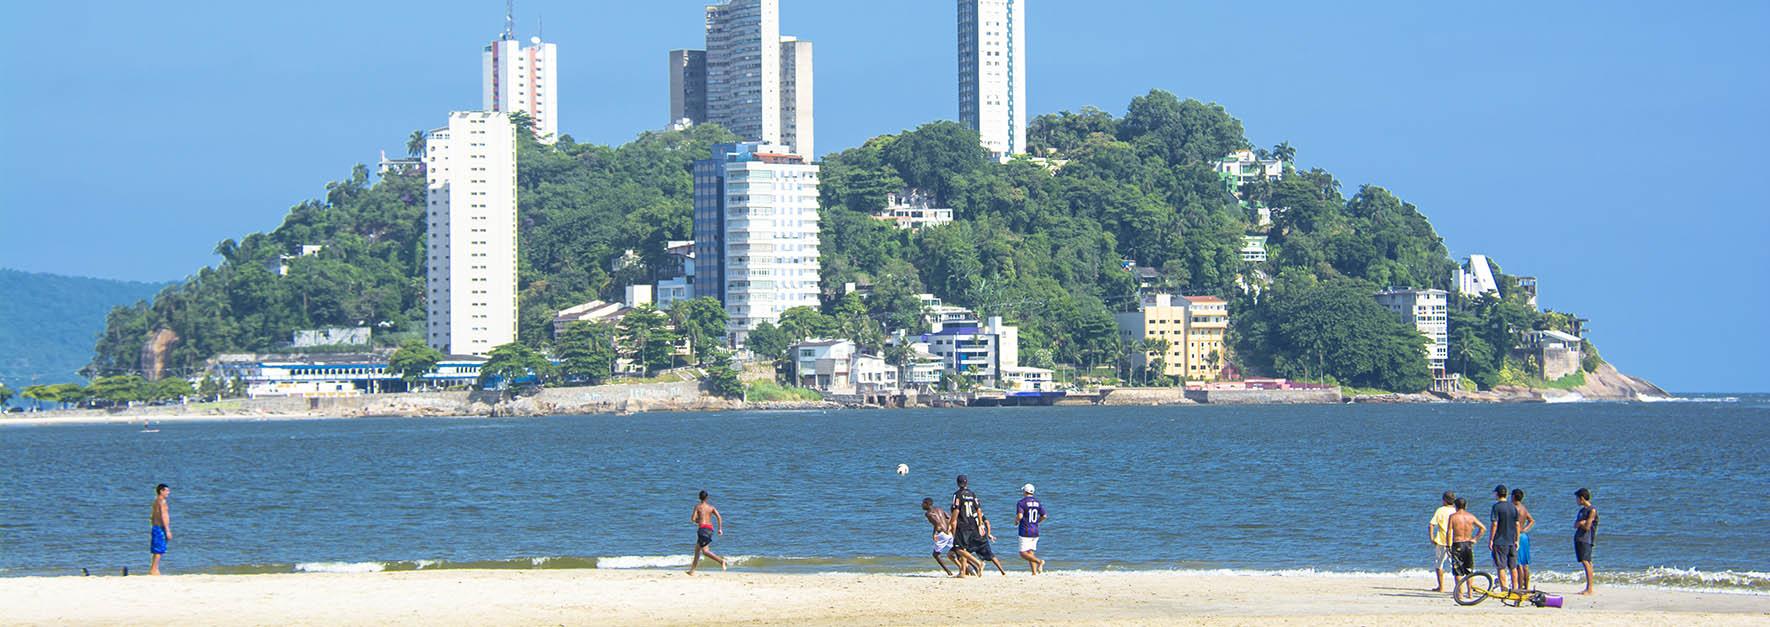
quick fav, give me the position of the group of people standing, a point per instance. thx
(1454, 532)
(964, 535)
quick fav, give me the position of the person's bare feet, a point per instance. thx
(1588, 592)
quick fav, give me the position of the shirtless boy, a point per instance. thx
(1465, 529)
(161, 534)
(704, 517)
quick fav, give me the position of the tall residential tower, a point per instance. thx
(992, 73)
(756, 233)
(470, 285)
(754, 82)
(517, 78)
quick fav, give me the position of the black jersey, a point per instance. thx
(965, 509)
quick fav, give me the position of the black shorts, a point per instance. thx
(1463, 555)
(972, 541)
(703, 537)
(1582, 551)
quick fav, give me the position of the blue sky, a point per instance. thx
(1606, 147)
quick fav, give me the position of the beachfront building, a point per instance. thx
(755, 233)
(334, 375)
(680, 286)
(1207, 324)
(1160, 323)
(470, 236)
(1185, 334)
(839, 367)
(977, 353)
(1555, 354)
(1243, 166)
(749, 79)
(522, 78)
(913, 209)
(939, 315)
(992, 73)
(1428, 311)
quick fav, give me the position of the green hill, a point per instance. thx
(48, 322)
(1042, 242)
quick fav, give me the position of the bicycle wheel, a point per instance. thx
(1473, 586)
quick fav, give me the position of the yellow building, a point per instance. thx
(1192, 328)
(1207, 322)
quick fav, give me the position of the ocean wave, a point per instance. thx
(340, 567)
(1688, 399)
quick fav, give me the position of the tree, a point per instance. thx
(702, 320)
(512, 363)
(1284, 152)
(524, 123)
(1338, 330)
(767, 341)
(209, 388)
(118, 390)
(800, 323)
(6, 395)
(415, 144)
(587, 351)
(1180, 132)
(170, 389)
(645, 336)
(412, 361)
(722, 379)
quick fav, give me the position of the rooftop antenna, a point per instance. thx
(509, 19)
(541, 27)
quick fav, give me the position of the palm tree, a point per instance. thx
(1284, 152)
(415, 144)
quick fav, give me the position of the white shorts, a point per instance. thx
(1442, 558)
(943, 542)
(1029, 544)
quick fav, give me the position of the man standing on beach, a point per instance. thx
(1439, 530)
(704, 517)
(161, 534)
(970, 528)
(943, 539)
(1503, 542)
(1521, 578)
(1585, 530)
(1028, 513)
(1465, 529)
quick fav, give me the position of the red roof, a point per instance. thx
(1203, 299)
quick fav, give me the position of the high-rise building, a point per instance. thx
(688, 87)
(756, 83)
(1427, 311)
(756, 233)
(518, 78)
(992, 73)
(470, 195)
(796, 106)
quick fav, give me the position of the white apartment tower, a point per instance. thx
(753, 81)
(1427, 311)
(992, 73)
(519, 78)
(756, 233)
(470, 284)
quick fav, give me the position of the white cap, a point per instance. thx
(1028, 488)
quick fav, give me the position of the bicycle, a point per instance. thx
(1480, 587)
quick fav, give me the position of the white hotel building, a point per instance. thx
(750, 79)
(992, 73)
(756, 233)
(519, 78)
(471, 236)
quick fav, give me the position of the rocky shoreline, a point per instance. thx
(1605, 384)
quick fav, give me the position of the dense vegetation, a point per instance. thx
(1041, 242)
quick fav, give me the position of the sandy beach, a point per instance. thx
(588, 596)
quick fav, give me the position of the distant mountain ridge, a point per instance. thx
(48, 322)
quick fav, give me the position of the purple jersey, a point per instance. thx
(1030, 512)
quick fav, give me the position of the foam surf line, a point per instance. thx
(340, 567)
(623, 562)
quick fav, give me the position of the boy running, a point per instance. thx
(943, 541)
(704, 516)
(1028, 513)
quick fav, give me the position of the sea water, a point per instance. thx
(1682, 488)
